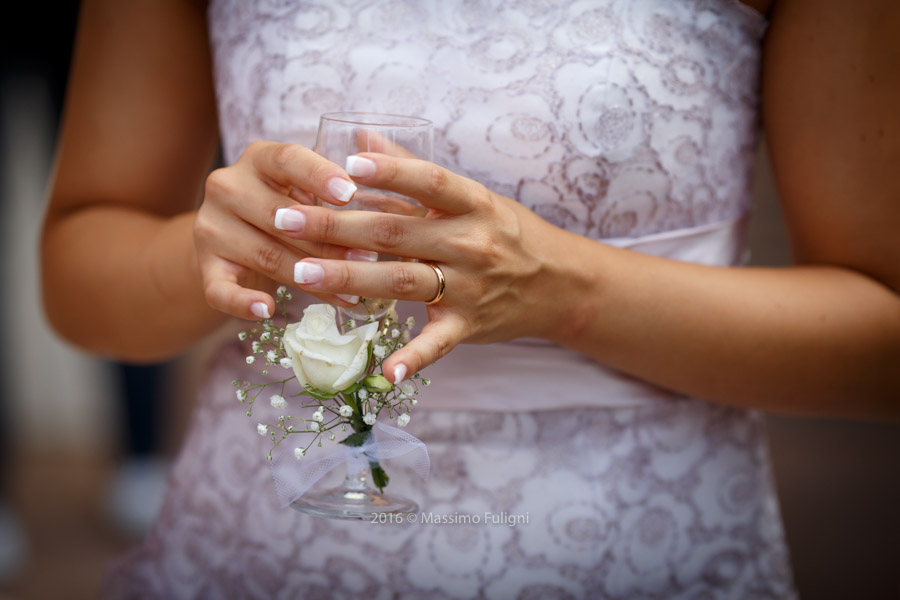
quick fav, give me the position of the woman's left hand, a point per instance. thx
(503, 279)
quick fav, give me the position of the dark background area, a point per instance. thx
(838, 481)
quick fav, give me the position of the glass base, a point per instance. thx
(353, 500)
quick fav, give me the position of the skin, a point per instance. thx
(821, 337)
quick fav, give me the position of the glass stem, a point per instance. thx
(356, 481)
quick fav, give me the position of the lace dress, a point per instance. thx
(632, 122)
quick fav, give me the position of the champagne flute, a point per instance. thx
(343, 134)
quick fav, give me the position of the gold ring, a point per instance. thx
(442, 283)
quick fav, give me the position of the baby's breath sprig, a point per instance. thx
(358, 404)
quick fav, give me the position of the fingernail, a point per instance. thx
(359, 254)
(348, 298)
(305, 272)
(341, 189)
(287, 219)
(399, 373)
(357, 166)
(260, 309)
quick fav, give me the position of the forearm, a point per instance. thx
(125, 283)
(812, 340)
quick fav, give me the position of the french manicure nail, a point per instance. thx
(357, 166)
(363, 255)
(399, 373)
(348, 298)
(260, 309)
(341, 189)
(287, 219)
(305, 272)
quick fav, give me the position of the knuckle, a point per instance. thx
(343, 278)
(254, 147)
(269, 259)
(209, 293)
(202, 228)
(482, 250)
(283, 156)
(442, 346)
(488, 248)
(481, 195)
(320, 172)
(457, 245)
(218, 183)
(387, 232)
(402, 282)
(388, 172)
(435, 180)
(327, 225)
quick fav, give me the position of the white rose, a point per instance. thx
(321, 356)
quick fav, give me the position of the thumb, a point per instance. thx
(436, 339)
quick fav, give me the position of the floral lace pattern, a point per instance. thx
(666, 501)
(607, 118)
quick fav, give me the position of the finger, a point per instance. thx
(433, 186)
(399, 280)
(375, 201)
(292, 222)
(225, 294)
(396, 235)
(291, 165)
(443, 332)
(301, 196)
(257, 251)
(236, 192)
(267, 210)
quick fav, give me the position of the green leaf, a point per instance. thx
(356, 439)
(379, 477)
(358, 424)
(318, 394)
(351, 389)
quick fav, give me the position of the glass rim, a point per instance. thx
(375, 119)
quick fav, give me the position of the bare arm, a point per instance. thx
(131, 267)
(120, 273)
(822, 337)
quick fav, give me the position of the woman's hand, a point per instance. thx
(498, 259)
(246, 235)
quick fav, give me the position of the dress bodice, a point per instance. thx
(607, 118)
(630, 121)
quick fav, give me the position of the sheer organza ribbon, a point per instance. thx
(294, 477)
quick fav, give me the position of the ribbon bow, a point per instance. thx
(293, 478)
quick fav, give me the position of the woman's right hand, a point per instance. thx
(246, 234)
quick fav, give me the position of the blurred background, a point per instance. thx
(84, 442)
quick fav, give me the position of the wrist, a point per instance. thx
(174, 269)
(572, 285)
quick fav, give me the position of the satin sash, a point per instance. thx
(531, 374)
